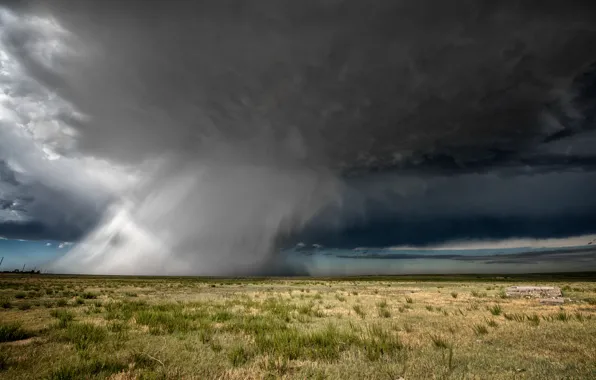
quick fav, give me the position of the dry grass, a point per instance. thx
(193, 328)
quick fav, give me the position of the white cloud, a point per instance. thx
(37, 145)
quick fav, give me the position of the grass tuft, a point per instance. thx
(480, 329)
(85, 369)
(439, 341)
(83, 335)
(238, 356)
(359, 311)
(495, 309)
(12, 331)
(64, 317)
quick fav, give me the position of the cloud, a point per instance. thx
(43, 194)
(262, 117)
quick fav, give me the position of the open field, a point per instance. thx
(58, 327)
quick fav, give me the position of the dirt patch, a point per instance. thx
(23, 342)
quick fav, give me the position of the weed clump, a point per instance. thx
(83, 335)
(480, 329)
(495, 309)
(379, 343)
(358, 309)
(12, 331)
(84, 369)
(61, 302)
(291, 344)
(64, 317)
(238, 356)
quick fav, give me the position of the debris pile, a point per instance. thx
(549, 295)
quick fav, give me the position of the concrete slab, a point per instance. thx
(533, 292)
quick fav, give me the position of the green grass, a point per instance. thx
(89, 295)
(238, 356)
(64, 317)
(82, 369)
(83, 335)
(262, 328)
(61, 302)
(495, 309)
(12, 331)
(518, 317)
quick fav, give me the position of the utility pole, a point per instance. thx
(1, 260)
(22, 270)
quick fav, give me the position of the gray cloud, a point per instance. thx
(246, 117)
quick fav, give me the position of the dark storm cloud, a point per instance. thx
(38, 231)
(363, 84)
(268, 113)
(35, 210)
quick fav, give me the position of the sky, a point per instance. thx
(179, 137)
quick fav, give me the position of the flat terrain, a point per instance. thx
(58, 327)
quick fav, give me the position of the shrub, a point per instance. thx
(454, 294)
(409, 300)
(64, 317)
(384, 313)
(61, 302)
(79, 301)
(11, 332)
(4, 361)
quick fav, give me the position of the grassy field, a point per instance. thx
(55, 327)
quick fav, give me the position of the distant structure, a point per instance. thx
(548, 295)
(533, 292)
